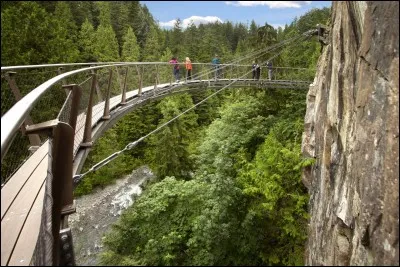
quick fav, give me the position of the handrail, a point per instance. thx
(7, 68)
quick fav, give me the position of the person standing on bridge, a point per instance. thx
(253, 70)
(215, 61)
(175, 70)
(269, 66)
(256, 70)
(188, 65)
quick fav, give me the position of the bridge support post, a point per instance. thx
(58, 187)
(123, 97)
(87, 134)
(106, 114)
(34, 139)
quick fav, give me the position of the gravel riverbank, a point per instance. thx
(95, 213)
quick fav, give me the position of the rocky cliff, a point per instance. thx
(352, 130)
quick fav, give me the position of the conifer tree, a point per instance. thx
(151, 51)
(130, 49)
(62, 45)
(87, 42)
(171, 156)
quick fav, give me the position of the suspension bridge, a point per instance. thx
(72, 105)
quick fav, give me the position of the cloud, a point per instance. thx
(270, 4)
(276, 26)
(197, 20)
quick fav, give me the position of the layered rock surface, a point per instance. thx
(352, 130)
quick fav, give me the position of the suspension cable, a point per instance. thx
(77, 178)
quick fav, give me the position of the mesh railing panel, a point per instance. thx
(65, 112)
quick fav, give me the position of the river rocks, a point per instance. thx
(95, 213)
(352, 130)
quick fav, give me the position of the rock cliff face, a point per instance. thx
(352, 130)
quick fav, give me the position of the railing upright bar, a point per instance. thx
(98, 91)
(64, 81)
(123, 98)
(156, 80)
(106, 114)
(34, 139)
(140, 76)
(87, 134)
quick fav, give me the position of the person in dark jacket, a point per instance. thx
(175, 70)
(253, 70)
(256, 70)
(269, 66)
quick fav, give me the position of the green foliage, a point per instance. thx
(18, 45)
(106, 45)
(130, 49)
(87, 42)
(62, 43)
(152, 48)
(239, 126)
(244, 206)
(273, 184)
(170, 156)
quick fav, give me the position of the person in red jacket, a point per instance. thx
(188, 65)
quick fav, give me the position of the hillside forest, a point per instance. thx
(228, 189)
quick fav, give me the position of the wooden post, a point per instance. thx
(58, 188)
(106, 114)
(34, 139)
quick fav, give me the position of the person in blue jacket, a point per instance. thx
(215, 61)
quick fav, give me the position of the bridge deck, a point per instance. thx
(22, 196)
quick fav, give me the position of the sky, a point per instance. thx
(275, 13)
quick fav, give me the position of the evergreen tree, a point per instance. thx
(119, 12)
(170, 155)
(253, 28)
(130, 49)
(105, 13)
(151, 51)
(18, 45)
(176, 39)
(106, 45)
(62, 45)
(87, 42)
